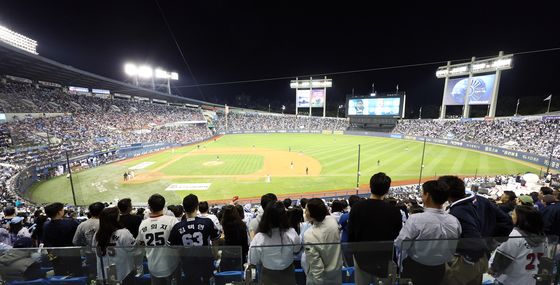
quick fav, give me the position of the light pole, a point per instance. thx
(338, 111)
(147, 74)
(283, 108)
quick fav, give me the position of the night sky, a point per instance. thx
(238, 40)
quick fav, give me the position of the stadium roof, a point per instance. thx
(19, 63)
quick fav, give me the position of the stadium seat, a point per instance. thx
(64, 280)
(145, 279)
(225, 277)
(300, 276)
(41, 281)
(347, 274)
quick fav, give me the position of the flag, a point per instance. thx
(548, 98)
(397, 88)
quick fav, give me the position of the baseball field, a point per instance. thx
(251, 165)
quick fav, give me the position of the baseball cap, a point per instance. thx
(526, 200)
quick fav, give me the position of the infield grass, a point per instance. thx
(232, 175)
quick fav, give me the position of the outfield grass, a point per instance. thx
(337, 155)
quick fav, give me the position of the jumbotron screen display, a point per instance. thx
(381, 106)
(480, 90)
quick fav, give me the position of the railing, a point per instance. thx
(534, 260)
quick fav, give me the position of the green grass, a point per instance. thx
(336, 153)
(229, 164)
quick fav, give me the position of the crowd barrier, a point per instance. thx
(387, 262)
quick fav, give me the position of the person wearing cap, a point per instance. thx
(525, 200)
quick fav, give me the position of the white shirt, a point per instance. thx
(162, 261)
(120, 253)
(213, 218)
(275, 252)
(525, 259)
(431, 224)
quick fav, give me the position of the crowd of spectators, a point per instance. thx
(528, 135)
(281, 237)
(247, 121)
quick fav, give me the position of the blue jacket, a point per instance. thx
(471, 245)
(493, 221)
(551, 218)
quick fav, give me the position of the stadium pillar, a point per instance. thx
(422, 163)
(70, 176)
(551, 153)
(310, 92)
(442, 112)
(494, 99)
(466, 106)
(297, 107)
(358, 173)
(325, 101)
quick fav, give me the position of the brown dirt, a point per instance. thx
(276, 164)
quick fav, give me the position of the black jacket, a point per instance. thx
(471, 245)
(494, 222)
(551, 218)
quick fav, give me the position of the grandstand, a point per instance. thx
(284, 199)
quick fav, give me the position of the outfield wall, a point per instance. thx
(528, 157)
(523, 156)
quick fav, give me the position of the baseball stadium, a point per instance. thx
(165, 143)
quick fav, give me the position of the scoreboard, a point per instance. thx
(375, 106)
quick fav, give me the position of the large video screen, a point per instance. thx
(315, 97)
(387, 106)
(480, 90)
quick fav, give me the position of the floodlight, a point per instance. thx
(502, 63)
(174, 76)
(130, 69)
(145, 72)
(459, 69)
(18, 40)
(479, 66)
(160, 73)
(441, 73)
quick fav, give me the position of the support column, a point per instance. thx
(494, 99)
(442, 112)
(466, 106)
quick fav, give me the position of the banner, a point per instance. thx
(315, 97)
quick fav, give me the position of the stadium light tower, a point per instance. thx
(477, 83)
(17, 40)
(145, 73)
(311, 93)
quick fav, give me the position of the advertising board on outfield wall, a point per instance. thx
(536, 159)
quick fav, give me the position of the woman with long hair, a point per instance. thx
(274, 246)
(516, 260)
(115, 247)
(235, 234)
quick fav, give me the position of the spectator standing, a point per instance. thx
(85, 233)
(235, 234)
(323, 259)
(59, 232)
(115, 249)
(374, 220)
(274, 246)
(424, 261)
(508, 202)
(129, 221)
(516, 261)
(470, 260)
(204, 213)
(163, 262)
(197, 233)
(9, 214)
(265, 200)
(352, 200)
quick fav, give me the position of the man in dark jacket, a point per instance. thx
(373, 220)
(58, 232)
(551, 218)
(130, 222)
(470, 261)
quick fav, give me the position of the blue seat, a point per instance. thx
(41, 281)
(347, 274)
(63, 280)
(300, 276)
(144, 279)
(225, 277)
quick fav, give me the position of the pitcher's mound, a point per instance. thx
(213, 163)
